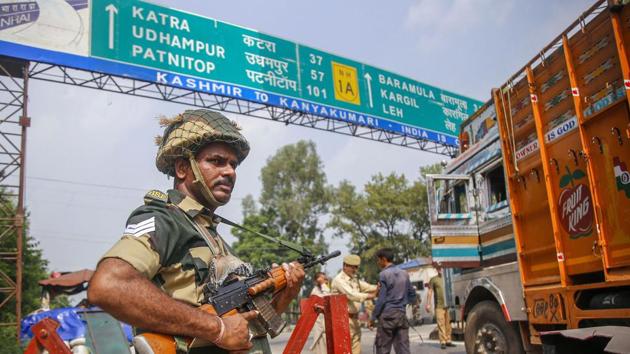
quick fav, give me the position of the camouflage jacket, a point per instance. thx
(165, 246)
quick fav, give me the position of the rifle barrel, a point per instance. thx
(322, 259)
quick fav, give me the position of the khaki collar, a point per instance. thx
(190, 206)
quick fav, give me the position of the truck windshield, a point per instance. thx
(451, 196)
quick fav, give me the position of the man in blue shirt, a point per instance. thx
(395, 292)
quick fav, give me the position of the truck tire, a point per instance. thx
(487, 331)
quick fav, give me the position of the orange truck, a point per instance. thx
(533, 216)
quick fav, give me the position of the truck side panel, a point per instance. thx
(528, 194)
(606, 125)
(568, 185)
(565, 132)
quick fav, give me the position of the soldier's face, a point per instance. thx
(217, 163)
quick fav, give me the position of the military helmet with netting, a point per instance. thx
(188, 132)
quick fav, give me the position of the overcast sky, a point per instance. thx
(98, 138)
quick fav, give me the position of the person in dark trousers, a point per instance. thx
(395, 292)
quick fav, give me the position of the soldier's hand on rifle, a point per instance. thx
(235, 335)
(294, 275)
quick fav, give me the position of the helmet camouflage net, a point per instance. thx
(187, 133)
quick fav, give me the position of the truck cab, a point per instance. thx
(472, 235)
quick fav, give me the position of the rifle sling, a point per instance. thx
(288, 244)
(181, 345)
(205, 235)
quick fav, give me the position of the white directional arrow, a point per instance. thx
(368, 79)
(112, 10)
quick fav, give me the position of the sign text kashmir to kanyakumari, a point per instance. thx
(149, 42)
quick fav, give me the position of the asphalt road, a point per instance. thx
(418, 338)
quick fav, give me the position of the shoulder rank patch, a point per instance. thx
(155, 196)
(141, 228)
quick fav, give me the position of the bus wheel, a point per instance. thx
(488, 332)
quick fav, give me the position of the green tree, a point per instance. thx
(249, 205)
(294, 194)
(256, 250)
(34, 269)
(293, 199)
(390, 211)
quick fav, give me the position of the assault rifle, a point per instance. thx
(233, 296)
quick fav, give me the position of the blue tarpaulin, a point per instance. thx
(70, 324)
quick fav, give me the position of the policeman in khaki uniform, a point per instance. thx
(437, 290)
(357, 291)
(153, 277)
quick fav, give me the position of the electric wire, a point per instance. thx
(109, 186)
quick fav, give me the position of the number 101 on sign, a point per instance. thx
(316, 91)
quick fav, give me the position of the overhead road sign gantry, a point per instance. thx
(144, 41)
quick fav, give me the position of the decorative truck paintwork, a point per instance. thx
(534, 213)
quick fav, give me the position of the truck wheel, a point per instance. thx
(488, 332)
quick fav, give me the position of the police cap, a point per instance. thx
(352, 259)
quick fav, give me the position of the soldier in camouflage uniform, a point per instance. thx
(153, 277)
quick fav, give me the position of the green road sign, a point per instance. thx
(197, 52)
